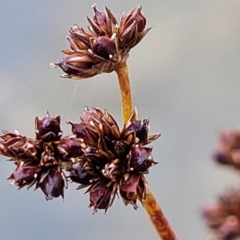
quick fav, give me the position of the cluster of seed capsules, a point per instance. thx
(223, 216)
(104, 45)
(98, 155)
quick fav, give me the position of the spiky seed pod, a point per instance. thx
(132, 187)
(131, 28)
(48, 128)
(115, 161)
(104, 46)
(79, 65)
(223, 216)
(141, 159)
(101, 195)
(16, 146)
(227, 151)
(25, 174)
(52, 184)
(78, 173)
(70, 147)
(39, 161)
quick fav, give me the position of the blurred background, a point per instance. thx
(185, 78)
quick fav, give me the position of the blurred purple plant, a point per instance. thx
(227, 151)
(223, 216)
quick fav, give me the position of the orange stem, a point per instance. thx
(125, 89)
(157, 217)
(150, 204)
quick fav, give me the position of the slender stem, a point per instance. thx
(157, 217)
(125, 89)
(150, 204)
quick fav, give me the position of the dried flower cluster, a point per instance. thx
(104, 46)
(114, 159)
(227, 151)
(39, 161)
(97, 155)
(223, 216)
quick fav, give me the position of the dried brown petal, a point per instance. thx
(88, 115)
(79, 38)
(142, 188)
(139, 19)
(131, 26)
(101, 20)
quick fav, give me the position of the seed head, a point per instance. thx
(39, 161)
(104, 46)
(98, 156)
(115, 160)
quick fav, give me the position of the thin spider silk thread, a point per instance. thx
(52, 96)
(135, 96)
(71, 99)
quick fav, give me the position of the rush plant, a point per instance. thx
(98, 155)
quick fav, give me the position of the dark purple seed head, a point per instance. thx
(78, 174)
(52, 185)
(48, 129)
(141, 160)
(24, 174)
(104, 47)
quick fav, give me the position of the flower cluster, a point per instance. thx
(97, 155)
(223, 216)
(227, 151)
(114, 160)
(38, 161)
(104, 45)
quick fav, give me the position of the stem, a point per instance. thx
(150, 204)
(157, 217)
(125, 89)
